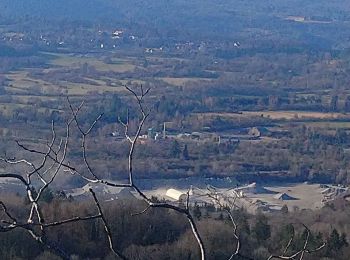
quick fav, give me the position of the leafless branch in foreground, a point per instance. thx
(133, 139)
(59, 163)
(54, 161)
(51, 165)
(229, 206)
(300, 253)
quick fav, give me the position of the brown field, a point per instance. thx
(118, 65)
(9, 108)
(329, 125)
(182, 81)
(308, 196)
(288, 115)
(83, 89)
(22, 84)
(294, 114)
(25, 89)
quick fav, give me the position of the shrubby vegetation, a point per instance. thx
(163, 234)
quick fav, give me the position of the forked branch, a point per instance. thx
(299, 253)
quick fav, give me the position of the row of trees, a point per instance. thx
(162, 234)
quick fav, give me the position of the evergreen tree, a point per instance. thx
(347, 104)
(175, 150)
(334, 103)
(262, 229)
(335, 243)
(284, 209)
(197, 212)
(185, 154)
(47, 196)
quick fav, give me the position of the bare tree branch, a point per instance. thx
(54, 161)
(7, 212)
(216, 197)
(300, 253)
(106, 227)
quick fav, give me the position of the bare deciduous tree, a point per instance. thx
(53, 161)
(302, 251)
(228, 204)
